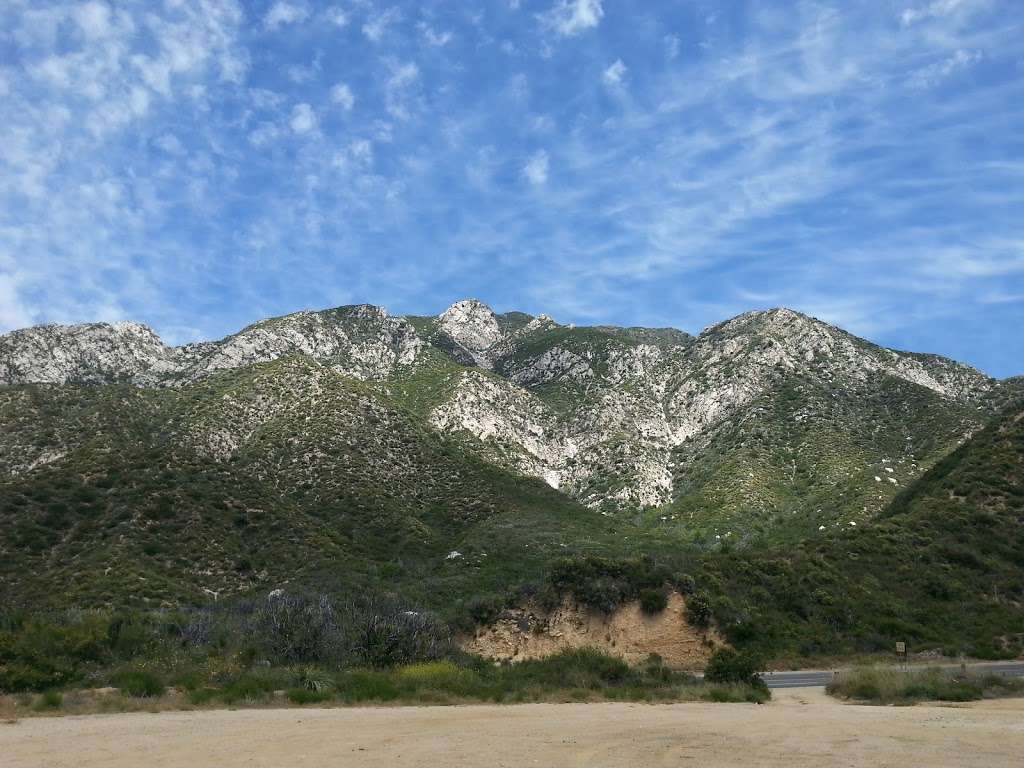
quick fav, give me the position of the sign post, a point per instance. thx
(901, 652)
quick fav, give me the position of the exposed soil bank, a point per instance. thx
(526, 633)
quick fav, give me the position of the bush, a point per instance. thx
(698, 609)
(893, 686)
(249, 688)
(484, 610)
(307, 696)
(295, 628)
(685, 584)
(653, 600)
(384, 636)
(49, 700)
(729, 666)
(603, 584)
(139, 683)
(584, 668)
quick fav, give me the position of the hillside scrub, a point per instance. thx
(313, 650)
(235, 679)
(604, 584)
(879, 685)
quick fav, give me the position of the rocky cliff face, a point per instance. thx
(618, 418)
(360, 341)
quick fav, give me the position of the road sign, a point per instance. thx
(901, 649)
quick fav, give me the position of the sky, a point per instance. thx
(198, 165)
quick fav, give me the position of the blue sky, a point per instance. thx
(200, 164)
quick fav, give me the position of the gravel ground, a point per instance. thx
(802, 727)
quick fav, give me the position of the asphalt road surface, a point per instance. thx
(817, 678)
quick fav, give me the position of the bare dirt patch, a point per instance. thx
(528, 633)
(801, 728)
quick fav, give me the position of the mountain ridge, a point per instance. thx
(604, 414)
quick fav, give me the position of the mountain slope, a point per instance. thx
(714, 435)
(281, 472)
(943, 567)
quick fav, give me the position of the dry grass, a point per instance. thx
(881, 685)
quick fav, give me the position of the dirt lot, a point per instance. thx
(801, 728)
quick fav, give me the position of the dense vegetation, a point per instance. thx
(943, 568)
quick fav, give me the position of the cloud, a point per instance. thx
(376, 26)
(433, 37)
(336, 15)
(93, 18)
(936, 9)
(536, 169)
(282, 13)
(13, 312)
(808, 147)
(341, 94)
(615, 73)
(934, 73)
(403, 76)
(673, 45)
(570, 17)
(303, 119)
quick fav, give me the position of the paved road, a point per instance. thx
(817, 678)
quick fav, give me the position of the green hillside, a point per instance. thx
(943, 567)
(808, 454)
(281, 473)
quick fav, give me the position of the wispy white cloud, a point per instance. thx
(377, 25)
(336, 15)
(935, 9)
(303, 119)
(536, 168)
(433, 37)
(796, 152)
(93, 18)
(341, 94)
(614, 73)
(402, 77)
(13, 311)
(282, 13)
(571, 17)
(940, 70)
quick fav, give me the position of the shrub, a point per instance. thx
(484, 610)
(698, 609)
(653, 600)
(294, 628)
(584, 668)
(140, 683)
(686, 584)
(49, 700)
(366, 685)
(729, 666)
(382, 635)
(248, 688)
(307, 696)
(603, 584)
(892, 686)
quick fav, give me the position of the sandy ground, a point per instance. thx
(800, 728)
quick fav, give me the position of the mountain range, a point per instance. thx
(448, 455)
(616, 418)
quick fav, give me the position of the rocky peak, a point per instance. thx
(90, 353)
(473, 326)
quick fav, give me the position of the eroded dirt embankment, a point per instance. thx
(529, 633)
